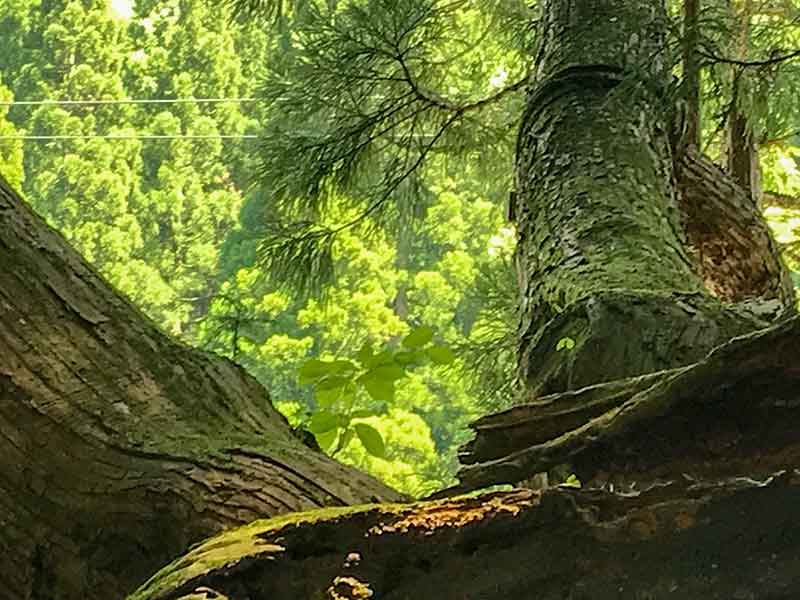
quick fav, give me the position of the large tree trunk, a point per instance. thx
(118, 447)
(604, 256)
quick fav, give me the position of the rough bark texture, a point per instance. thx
(731, 244)
(603, 257)
(732, 413)
(734, 539)
(690, 491)
(118, 447)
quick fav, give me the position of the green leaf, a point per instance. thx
(362, 414)
(384, 372)
(326, 439)
(440, 355)
(333, 382)
(418, 337)
(371, 439)
(384, 357)
(313, 370)
(323, 421)
(406, 359)
(565, 343)
(365, 354)
(347, 435)
(330, 393)
(326, 397)
(342, 366)
(380, 389)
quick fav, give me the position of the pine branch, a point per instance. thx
(355, 116)
(249, 10)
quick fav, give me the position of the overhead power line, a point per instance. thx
(126, 101)
(128, 137)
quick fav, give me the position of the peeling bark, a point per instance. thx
(731, 243)
(733, 413)
(119, 447)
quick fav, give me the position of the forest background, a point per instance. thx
(160, 198)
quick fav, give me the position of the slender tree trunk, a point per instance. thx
(118, 447)
(740, 144)
(691, 71)
(604, 260)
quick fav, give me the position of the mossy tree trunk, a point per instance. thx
(119, 448)
(606, 255)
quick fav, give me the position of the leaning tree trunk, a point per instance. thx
(637, 257)
(607, 256)
(119, 447)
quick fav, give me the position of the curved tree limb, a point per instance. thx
(119, 447)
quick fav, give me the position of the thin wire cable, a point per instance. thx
(126, 101)
(128, 137)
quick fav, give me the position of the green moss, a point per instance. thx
(236, 545)
(265, 539)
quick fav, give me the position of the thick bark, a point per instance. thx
(118, 447)
(730, 539)
(603, 256)
(732, 413)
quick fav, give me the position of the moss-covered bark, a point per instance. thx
(118, 447)
(733, 539)
(690, 490)
(733, 413)
(603, 255)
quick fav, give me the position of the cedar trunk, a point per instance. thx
(119, 448)
(623, 246)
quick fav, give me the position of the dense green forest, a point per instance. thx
(171, 201)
